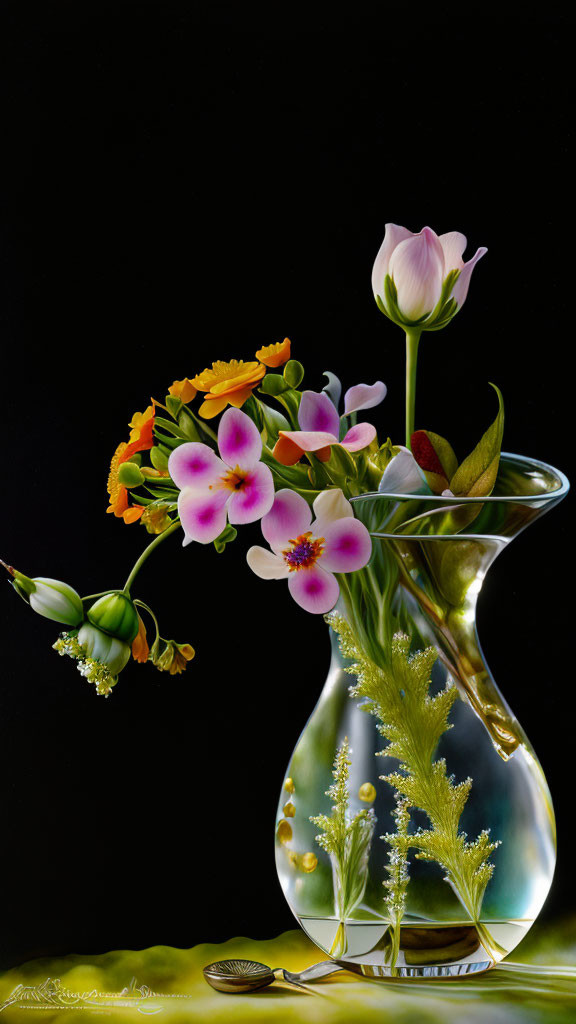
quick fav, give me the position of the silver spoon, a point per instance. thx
(249, 975)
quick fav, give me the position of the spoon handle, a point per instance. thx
(314, 973)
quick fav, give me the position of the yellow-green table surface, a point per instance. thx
(538, 984)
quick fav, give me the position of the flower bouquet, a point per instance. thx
(414, 831)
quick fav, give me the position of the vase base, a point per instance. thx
(428, 971)
(424, 949)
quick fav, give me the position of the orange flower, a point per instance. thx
(227, 384)
(276, 354)
(183, 389)
(140, 649)
(142, 424)
(141, 439)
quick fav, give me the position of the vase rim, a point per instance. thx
(561, 488)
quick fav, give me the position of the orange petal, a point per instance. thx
(211, 408)
(276, 354)
(119, 502)
(225, 387)
(237, 398)
(183, 389)
(286, 451)
(142, 424)
(323, 454)
(132, 514)
(140, 648)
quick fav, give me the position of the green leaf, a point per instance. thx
(274, 384)
(476, 476)
(129, 475)
(293, 373)
(188, 427)
(341, 462)
(168, 442)
(158, 458)
(228, 535)
(166, 493)
(273, 421)
(172, 428)
(436, 459)
(173, 405)
(291, 402)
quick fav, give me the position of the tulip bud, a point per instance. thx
(129, 475)
(51, 598)
(108, 650)
(116, 615)
(421, 279)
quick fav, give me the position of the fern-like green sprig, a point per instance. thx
(347, 841)
(397, 868)
(413, 721)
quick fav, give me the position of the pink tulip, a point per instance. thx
(308, 553)
(237, 487)
(418, 265)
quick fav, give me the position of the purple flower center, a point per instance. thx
(304, 553)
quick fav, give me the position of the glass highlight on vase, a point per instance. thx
(415, 832)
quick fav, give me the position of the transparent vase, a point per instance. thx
(415, 832)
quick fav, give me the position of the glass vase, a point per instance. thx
(415, 832)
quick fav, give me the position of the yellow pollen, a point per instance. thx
(304, 553)
(233, 480)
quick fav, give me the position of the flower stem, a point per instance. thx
(147, 552)
(142, 604)
(412, 342)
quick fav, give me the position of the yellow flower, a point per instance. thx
(183, 389)
(227, 384)
(276, 354)
(173, 657)
(155, 518)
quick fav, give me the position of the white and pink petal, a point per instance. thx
(266, 564)
(254, 498)
(314, 589)
(417, 268)
(195, 465)
(358, 437)
(203, 516)
(393, 235)
(318, 413)
(347, 544)
(453, 244)
(289, 516)
(364, 396)
(310, 440)
(239, 440)
(331, 505)
(460, 289)
(403, 475)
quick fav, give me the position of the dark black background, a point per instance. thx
(179, 189)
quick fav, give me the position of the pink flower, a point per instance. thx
(320, 422)
(308, 553)
(418, 265)
(236, 487)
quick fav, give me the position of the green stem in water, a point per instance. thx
(147, 552)
(412, 342)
